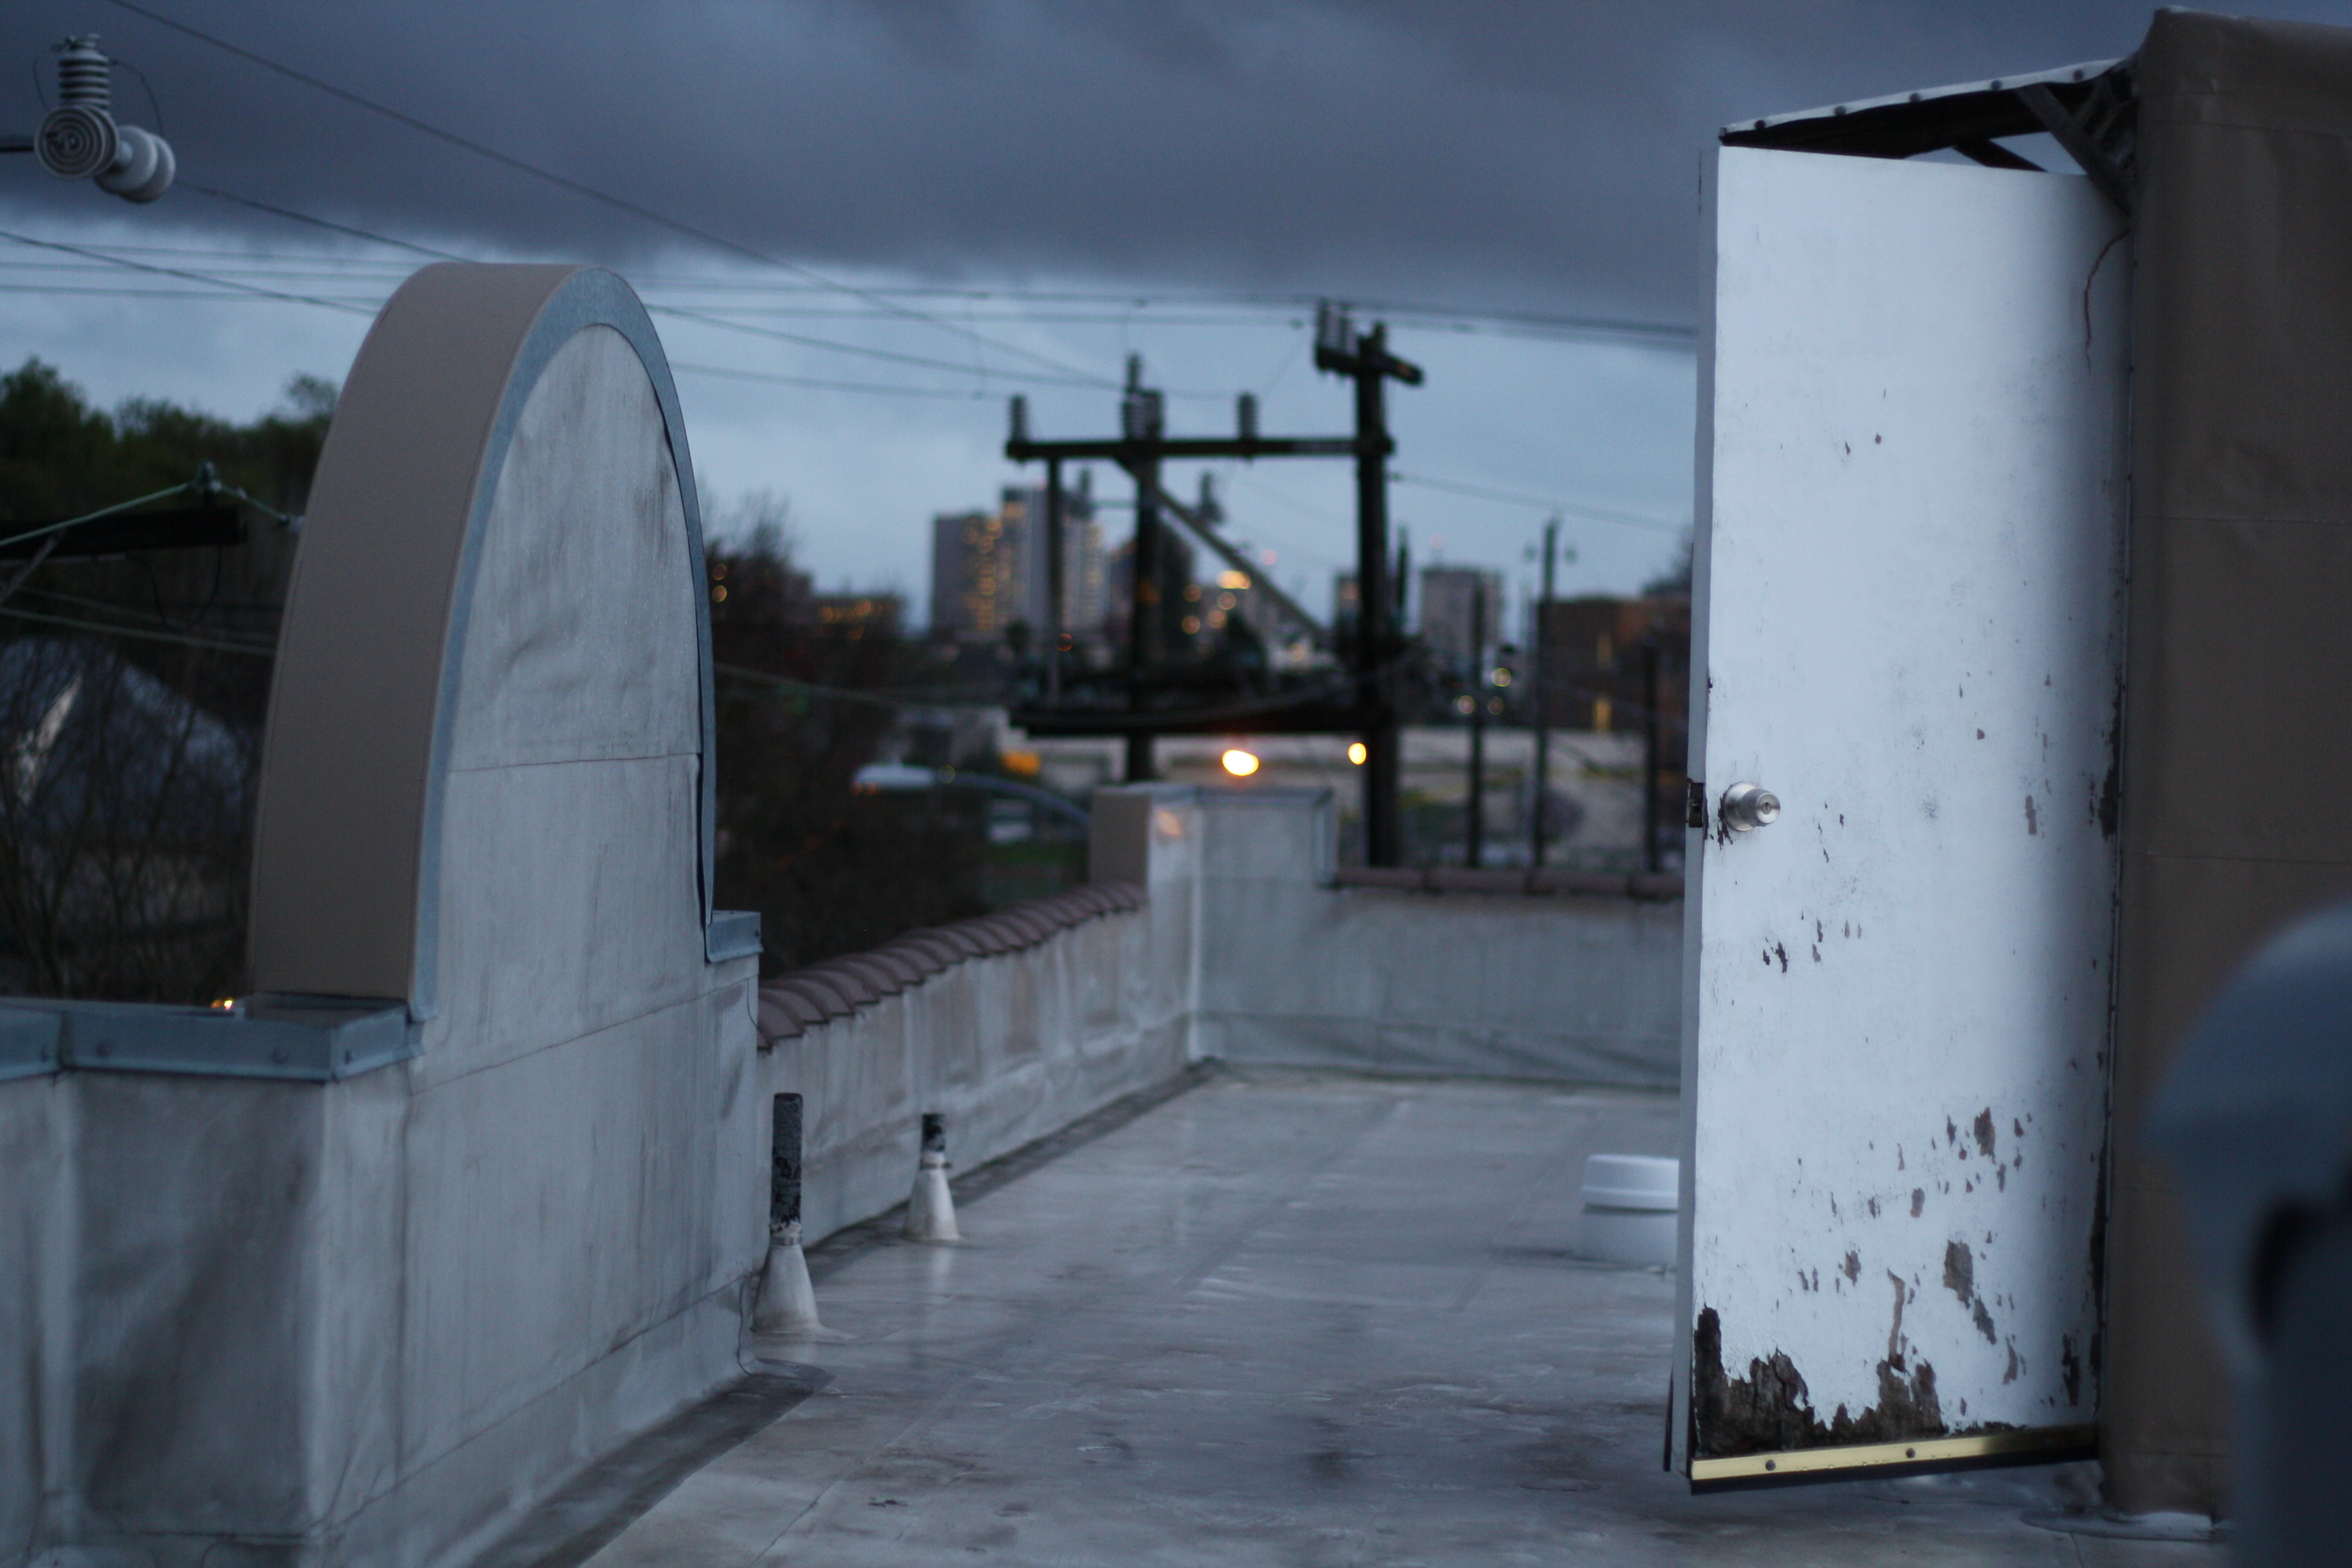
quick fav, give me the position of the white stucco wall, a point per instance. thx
(1242, 951)
(1297, 972)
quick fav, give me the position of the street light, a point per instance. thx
(1239, 763)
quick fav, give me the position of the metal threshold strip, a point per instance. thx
(2033, 1446)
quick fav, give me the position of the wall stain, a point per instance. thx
(2107, 810)
(1982, 1127)
(1852, 1269)
(1918, 1201)
(2033, 823)
(2070, 1369)
(1782, 953)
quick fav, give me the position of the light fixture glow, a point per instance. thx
(1355, 753)
(1239, 763)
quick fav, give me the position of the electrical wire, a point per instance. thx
(182, 273)
(93, 517)
(826, 386)
(617, 203)
(920, 361)
(218, 645)
(1541, 504)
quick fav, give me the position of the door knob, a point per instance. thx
(1748, 806)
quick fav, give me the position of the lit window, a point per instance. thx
(1235, 580)
(1239, 763)
(1357, 753)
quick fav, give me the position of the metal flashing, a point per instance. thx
(731, 934)
(2031, 1445)
(2090, 109)
(1925, 101)
(28, 1042)
(305, 1039)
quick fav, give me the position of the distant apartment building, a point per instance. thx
(1343, 598)
(1596, 661)
(1179, 596)
(1451, 599)
(857, 615)
(989, 568)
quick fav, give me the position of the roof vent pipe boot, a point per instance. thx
(787, 1303)
(931, 1211)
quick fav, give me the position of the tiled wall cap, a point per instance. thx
(783, 1014)
(846, 978)
(967, 944)
(1061, 910)
(933, 951)
(1033, 924)
(902, 971)
(1093, 900)
(838, 985)
(823, 996)
(996, 934)
(917, 962)
(886, 980)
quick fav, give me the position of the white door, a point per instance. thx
(1910, 615)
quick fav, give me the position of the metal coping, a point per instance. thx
(300, 1040)
(1926, 99)
(731, 934)
(2033, 1446)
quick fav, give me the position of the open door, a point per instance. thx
(1909, 621)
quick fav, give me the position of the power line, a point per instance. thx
(1541, 504)
(826, 386)
(255, 649)
(803, 340)
(182, 273)
(617, 203)
(1537, 324)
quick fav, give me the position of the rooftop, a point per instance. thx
(1279, 1318)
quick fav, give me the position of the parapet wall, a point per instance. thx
(1220, 929)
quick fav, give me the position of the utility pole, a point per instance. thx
(1143, 419)
(1650, 751)
(1056, 590)
(1141, 447)
(1474, 824)
(1543, 701)
(1365, 358)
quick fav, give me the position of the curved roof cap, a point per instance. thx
(346, 862)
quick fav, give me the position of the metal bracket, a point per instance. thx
(732, 934)
(2069, 134)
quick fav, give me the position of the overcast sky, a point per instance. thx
(1066, 182)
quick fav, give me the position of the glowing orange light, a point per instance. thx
(1239, 763)
(1355, 753)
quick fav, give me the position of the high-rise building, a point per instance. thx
(1450, 596)
(988, 568)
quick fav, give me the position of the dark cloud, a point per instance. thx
(1537, 153)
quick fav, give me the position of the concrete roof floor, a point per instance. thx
(1285, 1319)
